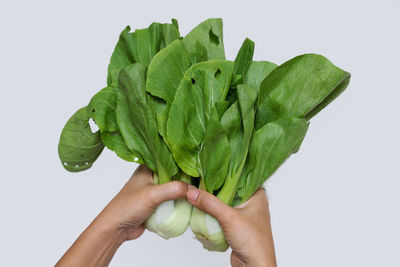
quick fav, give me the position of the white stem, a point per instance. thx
(208, 231)
(170, 219)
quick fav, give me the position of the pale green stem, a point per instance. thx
(185, 178)
(229, 188)
(162, 176)
(202, 185)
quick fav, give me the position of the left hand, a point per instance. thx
(137, 200)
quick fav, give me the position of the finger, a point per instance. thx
(210, 204)
(168, 191)
(143, 169)
(259, 197)
(142, 176)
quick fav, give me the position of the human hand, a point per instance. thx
(137, 200)
(122, 219)
(247, 228)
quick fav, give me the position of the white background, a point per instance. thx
(335, 203)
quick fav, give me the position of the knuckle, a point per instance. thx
(202, 199)
(178, 188)
(152, 195)
(230, 217)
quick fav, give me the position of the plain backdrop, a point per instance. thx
(334, 203)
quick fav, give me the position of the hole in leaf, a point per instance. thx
(93, 126)
(213, 38)
(76, 166)
(193, 81)
(86, 163)
(217, 73)
(65, 163)
(135, 159)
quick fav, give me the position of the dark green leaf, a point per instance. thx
(137, 123)
(79, 148)
(221, 107)
(238, 123)
(115, 142)
(140, 47)
(257, 72)
(165, 73)
(268, 111)
(244, 57)
(304, 85)
(208, 34)
(203, 85)
(102, 109)
(270, 146)
(214, 154)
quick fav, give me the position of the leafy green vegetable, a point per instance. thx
(167, 70)
(238, 123)
(244, 57)
(301, 84)
(164, 76)
(193, 107)
(176, 105)
(168, 67)
(257, 72)
(273, 144)
(206, 38)
(102, 109)
(79, 147)
(140, 47)
(137, 122)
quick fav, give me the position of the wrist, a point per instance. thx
(262, 259)
(110, 228)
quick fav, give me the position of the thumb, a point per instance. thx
(168, 191)
(210, 204)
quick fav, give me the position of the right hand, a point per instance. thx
(247, 227)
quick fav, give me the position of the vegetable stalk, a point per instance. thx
(171, 218)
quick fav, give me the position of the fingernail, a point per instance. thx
(191, 187)
(192, 193)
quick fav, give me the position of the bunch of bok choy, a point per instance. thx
(178, 106)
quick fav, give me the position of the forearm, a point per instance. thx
(95, 246)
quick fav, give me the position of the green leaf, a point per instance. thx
(244, 57)
(268, 111)
(169, 65)
(78, 147)
(335, 93)
(304, 85)
(137, 123)
(102, 109)
(221, 107)
(164, 75)
(140, 47)
(115, 142)
(238, 123)
(166, 70)
(269, 147)
(206, 36)
(200, 55)
(203, 85)
(214, 154)
(257, 72)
